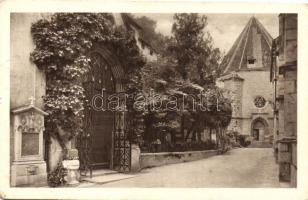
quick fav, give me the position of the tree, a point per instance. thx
(157, 41)
(207, 63)
(189, 68)
(187, 41)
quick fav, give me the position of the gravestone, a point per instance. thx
(28, 165)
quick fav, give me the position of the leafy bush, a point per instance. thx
(235, 144)
(63, 43)
(243, 140)
(187, 74)
(210, 144)
(56, 177)
(247, 143)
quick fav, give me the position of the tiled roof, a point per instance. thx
(229, 76)
(254, 38)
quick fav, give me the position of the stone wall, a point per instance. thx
(286, 99)
(243, 91)
(27, 85)
(26, 80)
(290, 101)
(235, 86)
(165, 158)
(247, 124)
(256, 83)
(246, 129)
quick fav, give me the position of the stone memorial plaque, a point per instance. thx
(30, 144)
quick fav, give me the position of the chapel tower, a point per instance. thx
(246, 69)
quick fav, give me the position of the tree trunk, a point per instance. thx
(210, 134)
(55, 154)
(199, 135)
(182, 126)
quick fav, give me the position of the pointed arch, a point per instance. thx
(259, 128)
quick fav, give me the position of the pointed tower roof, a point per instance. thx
(251, 50)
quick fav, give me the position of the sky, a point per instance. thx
(224, 28)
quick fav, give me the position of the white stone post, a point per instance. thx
(135, 158)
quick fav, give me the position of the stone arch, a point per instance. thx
(119, 153)
(259, 129)
(115, 65)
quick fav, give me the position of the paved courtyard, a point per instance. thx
(243, 167)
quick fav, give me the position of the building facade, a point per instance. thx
(284, 80)
(27, 86)
(246, 69)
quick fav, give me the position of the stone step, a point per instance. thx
(105, 178)
(101, 172)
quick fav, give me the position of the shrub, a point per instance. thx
(56, 177)
(243, 140)
(210, 144)
(247, 143)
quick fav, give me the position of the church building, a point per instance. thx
(245, 77)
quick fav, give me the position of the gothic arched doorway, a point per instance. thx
(100, 87)
(259, 129)
(104, 143)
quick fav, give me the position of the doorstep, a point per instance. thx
(285, 184)
(101, 172)
(103, 176)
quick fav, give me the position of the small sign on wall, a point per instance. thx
(29, 144)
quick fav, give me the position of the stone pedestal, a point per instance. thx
(28, 173)
(285, 158)
(72, 167)
(28, 167)
(135, 158)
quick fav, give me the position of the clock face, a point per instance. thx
(259, 102)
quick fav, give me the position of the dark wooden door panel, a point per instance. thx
(103, 120)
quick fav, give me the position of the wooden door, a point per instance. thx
(102, 119)
(256, 134)
(261, 134)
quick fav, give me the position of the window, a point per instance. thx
(259, 102)
(251, 60)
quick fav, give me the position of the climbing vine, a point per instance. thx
(62, 43)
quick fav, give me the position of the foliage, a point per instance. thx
(188, 65)
(187, 40)
(190, 69)
(233, 135)
(190, 117)
(62, 45)
(192, 47)
(243, 140)
(56, 177)
(207, 64)
(157, 41)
